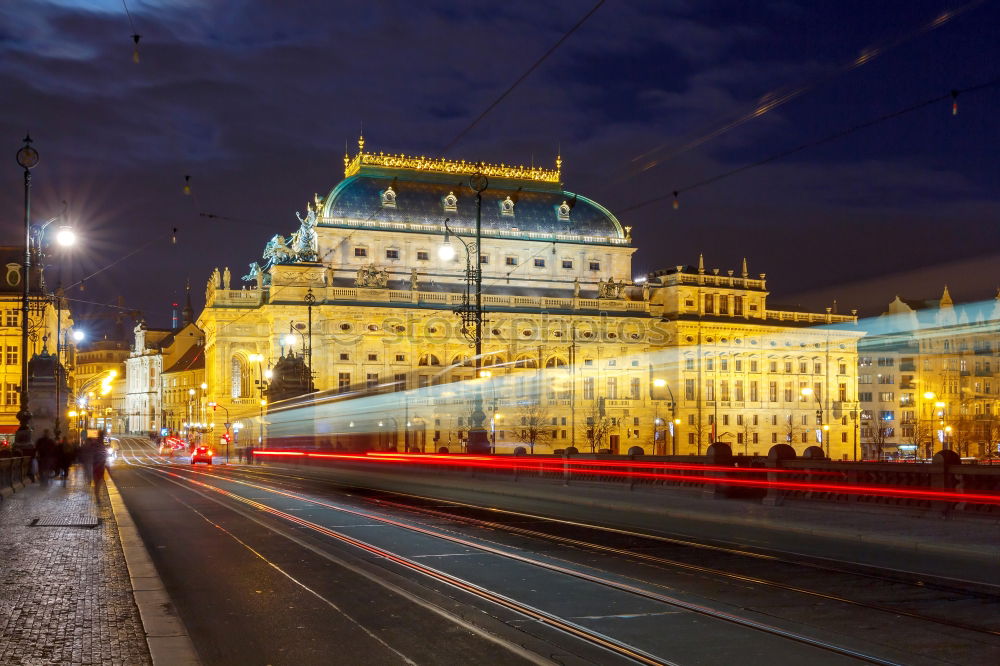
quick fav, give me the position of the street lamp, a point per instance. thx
(27, 158)
(659, 382)
(806, 392)
(472, 315)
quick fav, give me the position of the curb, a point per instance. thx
(166, 637)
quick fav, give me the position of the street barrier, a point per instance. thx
(13, 474)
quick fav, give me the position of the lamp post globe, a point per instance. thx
(66, 237)
(27, 156)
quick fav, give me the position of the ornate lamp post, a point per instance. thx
(472, 314)
(27, 158)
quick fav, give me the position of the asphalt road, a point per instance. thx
(274, 567)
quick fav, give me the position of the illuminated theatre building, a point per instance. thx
(575, 354)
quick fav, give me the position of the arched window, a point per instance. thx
(526, 362)
(240, 379)
(429, 359)
(555, 362)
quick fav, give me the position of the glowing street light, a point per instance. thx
(446, 251)
(66, 237)
(929, 395)
(78, 336)
(659, 383)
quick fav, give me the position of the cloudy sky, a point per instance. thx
(255, 100)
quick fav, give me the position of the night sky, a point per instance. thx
(255, 100)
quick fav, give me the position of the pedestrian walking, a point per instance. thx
(65, 455)
(45, 450)
(95, 455)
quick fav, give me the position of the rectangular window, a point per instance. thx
(802, 368)
(360, 252)
(399, 379)
(392, 254)
(739, 365)
(588, 388)
(805, 437)
(595, 265)
(723, 304)
(709, 363)
(724, 390)
(635, 390)
(772, 391)
(484, 258)
(788, 366)
(691, 438)
(843, 368)
(753, 391)
(774, 366)
(12, 393)
(865, 397)
(738, 306)
(423, 380)
(612, 388)
(842, 392)
(886, 416)
(689, 389)
(738, 391)
(539, 263)
(344, 356)
(753, 366)
(343, 380)
(709, 304)
(511, 261)
(400, 358)
(11, 318)
(789, 392)
(11, 356)
(709, 390)
(723, 364)
(886, 379)
(887, 396)
(371, 380)
(774, 438)
(689, 364)
(817, 368)
(690, 419)
(567, 263)
(372, 357)
(422, 255)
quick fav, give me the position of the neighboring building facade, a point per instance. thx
(929, 378)
(153, 351)
(42, 337)
(99, 384)
(575, 349)
(184, 401)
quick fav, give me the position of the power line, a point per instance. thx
(521, 78)
(952, 94)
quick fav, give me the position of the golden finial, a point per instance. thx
(361, 143)
(558, 162)
(628, 233)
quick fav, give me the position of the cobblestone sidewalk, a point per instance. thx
(65, 596)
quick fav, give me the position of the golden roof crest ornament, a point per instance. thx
(446, 166)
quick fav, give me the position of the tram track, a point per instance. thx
(207, 480)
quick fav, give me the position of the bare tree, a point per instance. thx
(598, 426)
(791, 429)
(917, 434)
(877, 433)
(963, 432)
(746, 432)
(533, 428)
(990, 425)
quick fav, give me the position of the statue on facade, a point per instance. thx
(215, 278)
(369, 276)
(304, 242)
(645, 290)
(576, 287)
(254, 272)
(610, 289)
(413, 280)
(226, 278)
(277, 251)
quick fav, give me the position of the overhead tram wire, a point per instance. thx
(950, 95)
(782, 95)
(552, 49)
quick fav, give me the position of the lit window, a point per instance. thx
(567, 263)
(539, 263)
(511, 261)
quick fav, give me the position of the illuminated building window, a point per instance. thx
(709, 304)
(343, 380)
(344, 356)
(388, 196)
(595, 265)
(507, 207)
(511, 261)
(372, 357)
(392, 254)
(422, 255)
(567, 263)
(539, 263)
(400, 358)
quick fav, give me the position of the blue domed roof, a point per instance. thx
(422, 198)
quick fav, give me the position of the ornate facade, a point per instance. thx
(575, 352)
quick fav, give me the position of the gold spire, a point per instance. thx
(442, 165)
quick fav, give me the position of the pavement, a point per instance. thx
(66, 593)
